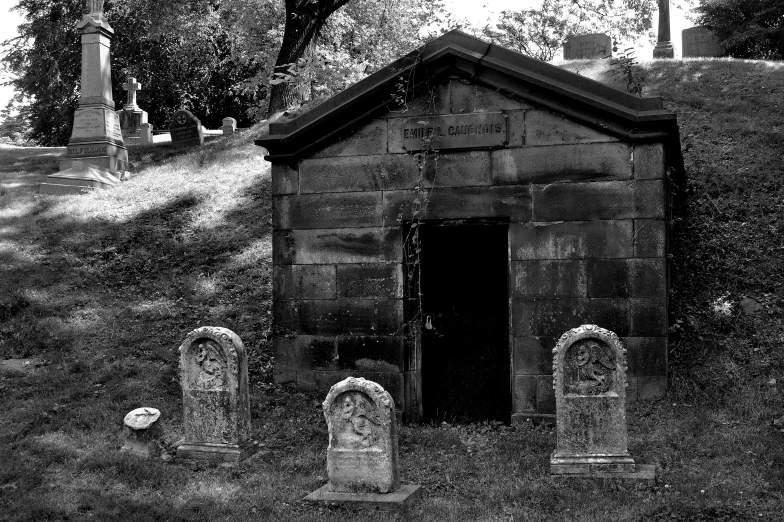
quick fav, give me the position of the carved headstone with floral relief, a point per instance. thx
(590, 396)
(362, 456)
(216, 404)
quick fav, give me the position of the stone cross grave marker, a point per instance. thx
(590, 397)
(132, 118)
(131, 86)
(587, 46)
(216, 404)
(362, 456)
(186, 130)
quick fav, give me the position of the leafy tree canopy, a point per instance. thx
(746, 28)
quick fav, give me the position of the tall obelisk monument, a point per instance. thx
(664, 48)
(96, 156)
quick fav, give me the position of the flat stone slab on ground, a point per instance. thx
(400, 499)
(643, 472)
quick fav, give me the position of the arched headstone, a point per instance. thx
(590, 398)
(362, 456)
(186, 130)
(215, 400)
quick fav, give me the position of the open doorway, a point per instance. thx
(465, 355)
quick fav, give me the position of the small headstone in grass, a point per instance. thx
(590, 398)
(215, 399)
(186, 130)
(229, 126)
(700, 42)
(141, 432)
(362, 456)
(587, 46)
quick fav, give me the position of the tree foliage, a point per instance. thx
(356, 40)
(184, 53)
(746, 28)
(541, 32)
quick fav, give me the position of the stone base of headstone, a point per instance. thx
(403, 498)
(664, 50)
(145, 135)
(78, 179)
(570, 465)
(218, 453)
(640, 472)
(143, 439)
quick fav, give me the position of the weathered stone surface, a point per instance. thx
(285, 179)
(285, 318)
(305, 351)
(216, 404)
(547, 317)
(141, 432)
(350, 209)
(650, 238)
(548, 278)
(626, 278)
(433, 101)
(353, 173)
(545, 396)
(524, 393)
(590, 391)
(304, 281)
(334, 317)
(362, 456)
(471, 97)
(458, 203)
(532, 356)
(369, 139)
(516, 128)
(571, 240)
(545, 128)
(699, 41)
(548, 164)
(282, 247)
(344, 245)
(598, 200)
(648, 317)
(370, 280)
(647, 356)
(649, 161)
(584, 46)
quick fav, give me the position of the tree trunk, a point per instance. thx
(304, 19)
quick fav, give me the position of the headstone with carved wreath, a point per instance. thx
(186, 130)
(362, 456)
(215, 400)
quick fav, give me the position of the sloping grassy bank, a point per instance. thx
(101, 289)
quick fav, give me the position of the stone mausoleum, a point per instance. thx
(440, 224)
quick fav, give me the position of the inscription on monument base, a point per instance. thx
(460, 131)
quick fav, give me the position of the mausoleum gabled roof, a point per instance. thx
(631, 118)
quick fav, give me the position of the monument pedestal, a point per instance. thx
(77, 179)
(664, 50)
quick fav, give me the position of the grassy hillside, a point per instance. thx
(98, 291)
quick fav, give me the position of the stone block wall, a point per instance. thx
(587, 244)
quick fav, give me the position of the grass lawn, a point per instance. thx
(98, 290)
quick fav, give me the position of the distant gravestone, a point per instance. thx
(141, 431)
(699, 41)
(590, 397)
(186, 130)
(362, 456)
(587, 46)
(132, 117)
(216, 404)
(229, 126)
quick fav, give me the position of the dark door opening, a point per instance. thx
(465, 356)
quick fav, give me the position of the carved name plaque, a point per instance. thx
(458, 131)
